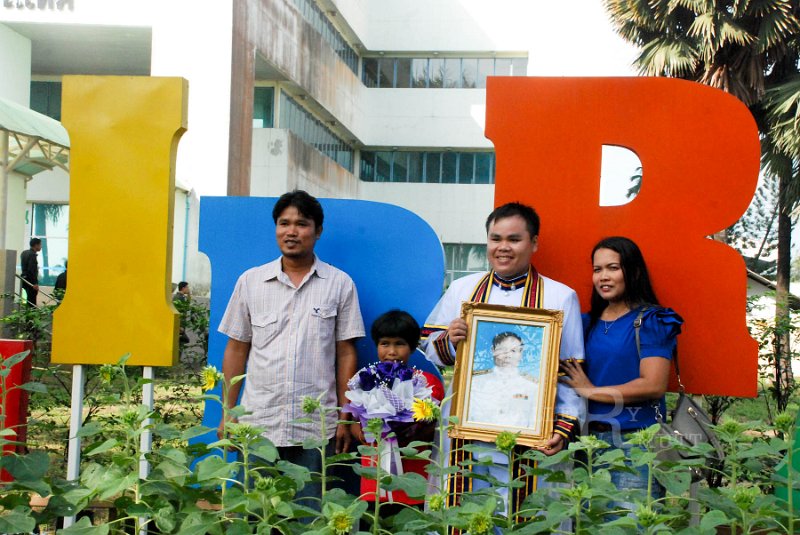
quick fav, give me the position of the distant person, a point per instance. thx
(30, 270)
(503, 395)
(183, 293)
(61, 282)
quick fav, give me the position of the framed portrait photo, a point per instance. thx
(506, 373)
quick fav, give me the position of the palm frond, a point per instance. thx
(668, 57)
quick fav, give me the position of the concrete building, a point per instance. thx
(369, 99)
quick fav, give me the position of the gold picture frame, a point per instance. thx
(506, 373)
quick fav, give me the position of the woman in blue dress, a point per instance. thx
(624, 386)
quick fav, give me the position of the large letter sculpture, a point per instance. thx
(124, 133)
(699, 150)
(393, 256)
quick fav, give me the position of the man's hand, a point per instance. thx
(342, 438)
(457, 331)
(554, 445)
(221, 427)
(36, 287)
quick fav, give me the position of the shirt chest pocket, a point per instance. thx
(265, 329)
(323, 318)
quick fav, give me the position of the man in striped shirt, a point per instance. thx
(292, 324)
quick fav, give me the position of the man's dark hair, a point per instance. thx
(35, 241)
(306, 204)
(638, 289)
(396, 324)
(504, 336)
(182, 285)
(514, 208)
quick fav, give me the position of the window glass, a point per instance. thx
(519, 67)
(419, 72)
(50, 222)
(483, 167)
(436, 72)
(502, 67)
(386, 66)
(400, 167)
(46, 98)
(403, 72)
(370, 76)
(367, 166)
(263, 100)
(485, 68)
(415, 162)
(383, 166)
(452, 72)
(449, 167)
(469, 72)
(433, 162)
(466, 166)
(463, 259)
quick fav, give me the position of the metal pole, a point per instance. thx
(3, 185)
(75, 421)
(146, 439)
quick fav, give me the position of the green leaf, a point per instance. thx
(214, 467)
(102, 447)
(196, 431)
(712, 519)
(90, 429)
(114, 486)
(165, 519)
(13, 360)
(411, 483)
(30, 467)
(39, 388)
(266, 450)
(19, 520)
(84, 527)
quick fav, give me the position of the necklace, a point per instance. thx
(608, 325)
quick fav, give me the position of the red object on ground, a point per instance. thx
(16, 400)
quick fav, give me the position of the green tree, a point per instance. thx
(750, 49)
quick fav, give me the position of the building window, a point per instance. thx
(311, 130)
(264, 107)
(438, 72)
(50, 222)
(446, 167)
(462, 259)
(319, 21)
(46, 98)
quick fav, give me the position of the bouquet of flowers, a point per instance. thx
(391, 391)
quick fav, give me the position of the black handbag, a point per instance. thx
(689, 424)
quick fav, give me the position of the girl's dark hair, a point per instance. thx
(638, 290)
(396, 324)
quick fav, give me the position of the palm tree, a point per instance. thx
(750, 49)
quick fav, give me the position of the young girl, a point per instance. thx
(396, 335)
(624, 385)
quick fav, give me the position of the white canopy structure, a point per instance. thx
(29, 144)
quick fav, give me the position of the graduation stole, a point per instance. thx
(532, 297)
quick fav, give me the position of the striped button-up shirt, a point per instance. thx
(292, 334)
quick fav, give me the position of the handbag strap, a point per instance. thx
(637, 324)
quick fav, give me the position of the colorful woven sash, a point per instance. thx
(532, 297)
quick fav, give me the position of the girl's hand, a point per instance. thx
(576, 377)
(357, 432)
